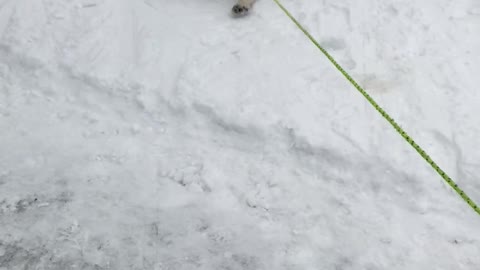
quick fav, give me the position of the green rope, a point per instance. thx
(390, 120)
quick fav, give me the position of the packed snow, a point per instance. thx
(165, 134)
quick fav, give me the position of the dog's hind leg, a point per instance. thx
(242, 7)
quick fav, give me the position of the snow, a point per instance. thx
(167, 135)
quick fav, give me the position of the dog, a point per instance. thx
(242, 7)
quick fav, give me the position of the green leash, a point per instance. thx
(385, 115)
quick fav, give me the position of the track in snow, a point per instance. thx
(166, 135)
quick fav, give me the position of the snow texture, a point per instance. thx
(164, 134)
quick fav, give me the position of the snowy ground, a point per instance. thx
(163, 134)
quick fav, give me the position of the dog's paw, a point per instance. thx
(239, 10)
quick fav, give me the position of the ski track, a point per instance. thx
(166, 135)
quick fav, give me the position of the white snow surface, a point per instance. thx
(163, 134)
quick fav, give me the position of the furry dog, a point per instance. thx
(242, 7)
